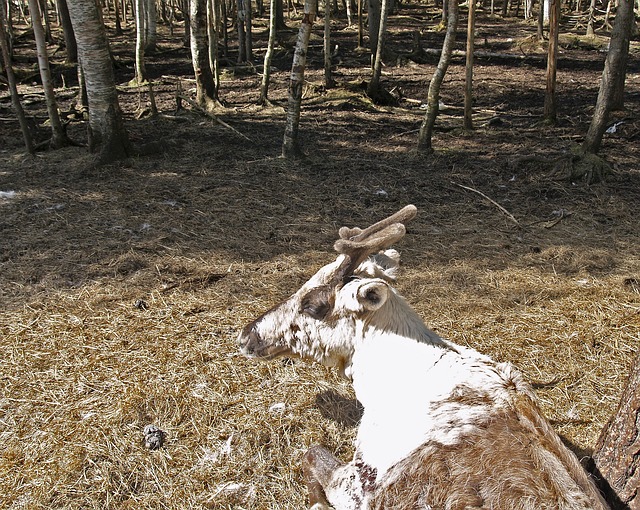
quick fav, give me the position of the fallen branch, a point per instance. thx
(507, 213)
(210, 115)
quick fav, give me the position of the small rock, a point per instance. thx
(153, 437)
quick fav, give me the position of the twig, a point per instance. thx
(509, 215)
(211, 116)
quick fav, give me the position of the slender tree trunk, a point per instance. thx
(140, 70)
(248, 32)
(373, 20)
(242, 55)
(280, 23)
(186, 12)
(540, 24)
(291, 145)
(613, 71)
(266, 71)
(116, 17)
(222, 9)
(373, 89)
(150, 26)
(44, 12)
(7, 15)
(205, 90)
(106, 127)
(328, 79)
(58, 136)
(360, 24)
(468, 83)
(550, 105)
(15, 99)
(212, 27)
(592, 10)
(617, 452)
(71, 48)
(433, 96)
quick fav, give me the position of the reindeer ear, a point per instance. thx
(389, 263)
(372, 295)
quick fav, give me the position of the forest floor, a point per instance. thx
(123, 287)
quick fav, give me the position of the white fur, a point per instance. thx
(414, 386)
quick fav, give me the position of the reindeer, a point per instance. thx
(444, 427)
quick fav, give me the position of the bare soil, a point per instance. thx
(123, 287)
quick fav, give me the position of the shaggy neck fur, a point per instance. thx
(403, 373)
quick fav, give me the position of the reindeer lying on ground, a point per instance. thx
(444, 427)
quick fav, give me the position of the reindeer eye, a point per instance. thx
(316, 310)
(315, 305)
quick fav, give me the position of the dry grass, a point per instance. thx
(122, 289)
(121, 310)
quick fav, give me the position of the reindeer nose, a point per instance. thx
(248, 340)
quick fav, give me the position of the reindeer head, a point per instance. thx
(319, 320)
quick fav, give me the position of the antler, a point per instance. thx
(357, 244)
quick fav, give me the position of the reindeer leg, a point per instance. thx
(318, 467)
(331, 483)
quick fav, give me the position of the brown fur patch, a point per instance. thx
(511, 461)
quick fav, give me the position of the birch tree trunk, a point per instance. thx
(468, 83)
(291, 145)
(150, 26)
(550, 105)
(212, 28)
(206, 94)
(242, 40)
(433, 96)
(373, 21)
(360, 24)
(108, 135)
(71, 48)
(248, 31)
(373, 89)
(328, 80)
(140, 72)
(15, 99)
(58, 136)
(266, 71)
(614, 70)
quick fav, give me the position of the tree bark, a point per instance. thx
(328, 79)
(248, 30)
(614, 70)
(433, 96)
(106, 127)
(150, 26)
(360, 23)
(242, 40)
(280, 23)
(58, 136)
(71, 48)
(550, 106)
(617, 452)
(212, 30)
(15, 99)
(206, 94)
(266, 71)
(373, 89)
(140, 71)
(291, 145)
(373, 21)
(468, 83)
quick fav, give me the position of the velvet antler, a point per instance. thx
(357, 244)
